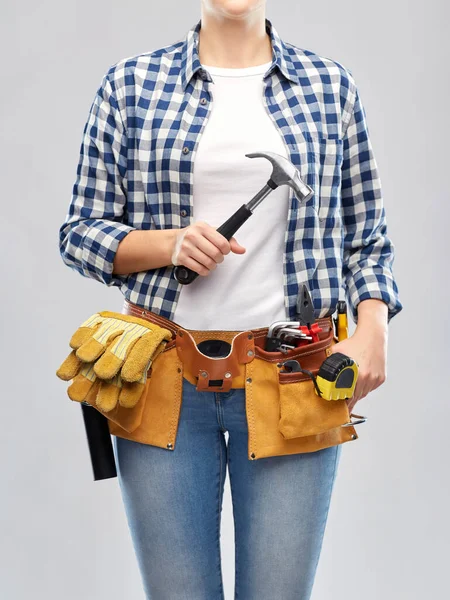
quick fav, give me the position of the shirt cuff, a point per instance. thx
(373, 283)
(100, 243)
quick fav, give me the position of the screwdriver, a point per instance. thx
(340, 322)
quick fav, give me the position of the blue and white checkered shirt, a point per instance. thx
(135, 171)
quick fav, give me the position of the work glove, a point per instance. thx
(113, 351)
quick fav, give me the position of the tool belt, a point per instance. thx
(138, 384)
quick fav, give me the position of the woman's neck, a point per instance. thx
(234, 42)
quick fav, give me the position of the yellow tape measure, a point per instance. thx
(336, 378)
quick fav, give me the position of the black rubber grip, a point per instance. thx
(100, 444)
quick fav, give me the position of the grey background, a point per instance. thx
(65, 537)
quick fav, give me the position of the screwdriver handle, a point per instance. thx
(185, 275)
(341, 322)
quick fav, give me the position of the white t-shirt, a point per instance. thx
(245, 290)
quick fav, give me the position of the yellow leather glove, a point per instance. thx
(118, 350)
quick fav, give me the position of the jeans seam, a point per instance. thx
(219, 412)
(219, 565)
(236, 545)
(327, 509)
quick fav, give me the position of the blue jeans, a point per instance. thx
(173, 503)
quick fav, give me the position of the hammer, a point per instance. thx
(283, 173)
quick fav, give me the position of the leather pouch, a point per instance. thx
(157, 415)
(302, 411)
(127, 418)
(271, 405)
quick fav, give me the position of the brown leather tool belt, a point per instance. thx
(220, 374)
(284, 414)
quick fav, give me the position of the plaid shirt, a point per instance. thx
(135, 171)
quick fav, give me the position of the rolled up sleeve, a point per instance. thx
(95, 225)
(368, 250)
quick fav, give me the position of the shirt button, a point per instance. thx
(202, 74)
(185, 150)
(203, 101)
(183, 213)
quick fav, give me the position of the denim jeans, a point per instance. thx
(173, 503)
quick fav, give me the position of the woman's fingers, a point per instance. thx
(201, 248)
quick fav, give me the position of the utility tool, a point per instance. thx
(99, 442)
(283, 173)
(337, 376)
(274, 340)
(306, 316)
(293, 366)
(304, 330)
(291, 333)
(340, 321)
(285, 348)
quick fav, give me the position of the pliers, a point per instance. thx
(305, 314)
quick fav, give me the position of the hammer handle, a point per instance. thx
(99, 442)
(184, 274)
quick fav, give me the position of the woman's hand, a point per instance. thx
(201, 247)
(368, 347)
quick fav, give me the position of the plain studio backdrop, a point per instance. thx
(64, 536)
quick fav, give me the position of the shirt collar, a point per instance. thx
(190, 61)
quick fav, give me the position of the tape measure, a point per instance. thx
(336, 378)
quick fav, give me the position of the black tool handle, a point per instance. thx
(184, 274)
(272, 344)
(100, 444)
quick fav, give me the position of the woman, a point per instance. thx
(163, 163)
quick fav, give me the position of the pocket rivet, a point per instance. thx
(250, 353)
(204, 374)
(169, 446)
(227, 375)
(354, 436)
(249, 379)
(250, 336)
(179, 370)
(253, 455)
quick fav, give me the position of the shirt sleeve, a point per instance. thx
(368, 250)
(94, 225)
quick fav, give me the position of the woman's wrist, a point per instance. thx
(143, 250)
(372, 318)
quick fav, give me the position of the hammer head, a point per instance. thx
(285, 173)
